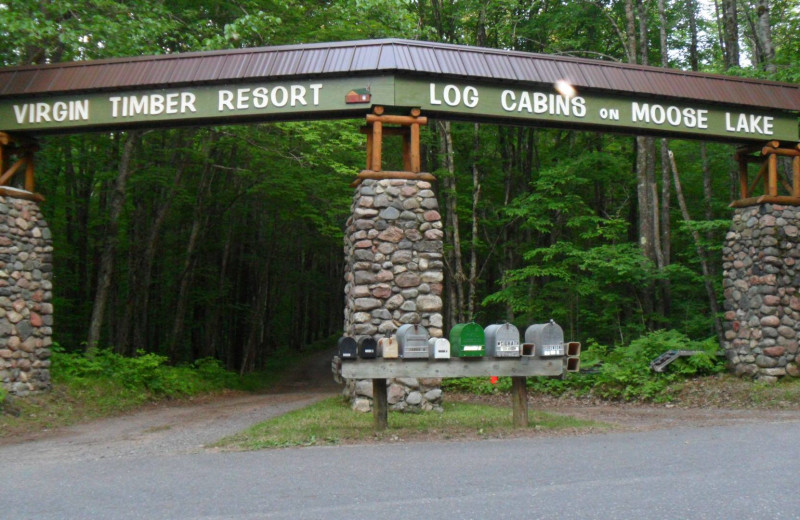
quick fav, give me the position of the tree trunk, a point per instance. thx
(701, 253)
(453, 236)
(730, 30)
(473, 253)
(764, 34)
(199, 220)
(107, 258)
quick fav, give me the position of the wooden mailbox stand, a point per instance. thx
(379, 370)
(24, 149)
(768, 176)
(408, 129)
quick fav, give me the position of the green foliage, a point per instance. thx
(618, 373)
(3, 395)
(145, 375)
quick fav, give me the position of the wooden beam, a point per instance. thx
(414, 176)
(785, 152)
(766, 199)
(11, 171)
(761, 173)
(397, 120)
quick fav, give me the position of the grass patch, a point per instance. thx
(332, 422)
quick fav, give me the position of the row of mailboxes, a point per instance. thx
(466, 340)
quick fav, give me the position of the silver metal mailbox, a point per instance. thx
(348, 348)
(412, 341)
(547, 339)
(502, 340)
(387, 347)
(367, 347)
(439, 348)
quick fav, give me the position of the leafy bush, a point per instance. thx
(147, 374)
(620, 373)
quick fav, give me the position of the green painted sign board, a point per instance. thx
(354, 97)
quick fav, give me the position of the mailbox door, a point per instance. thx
(548, 338)
(367, 347)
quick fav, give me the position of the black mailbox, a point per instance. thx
(367, 347)
(348, 348)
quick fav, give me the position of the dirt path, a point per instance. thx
(185, 427)
(188, 427)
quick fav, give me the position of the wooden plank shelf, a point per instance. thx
(454, 367)
(379, 370)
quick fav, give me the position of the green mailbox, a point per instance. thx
(467, 340)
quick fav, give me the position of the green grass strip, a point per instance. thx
(332, 422)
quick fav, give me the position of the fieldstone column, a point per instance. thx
(761, 281)
(26, 311)
(394, 275)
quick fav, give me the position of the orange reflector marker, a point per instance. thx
(493, 380)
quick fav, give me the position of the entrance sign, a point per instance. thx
(347, 79)
(545, 106)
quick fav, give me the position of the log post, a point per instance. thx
(380, 405)
(29, 181)
(796, 175)
(742, 159)
(519, 401)
(773, 175)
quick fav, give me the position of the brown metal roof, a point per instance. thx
(386, 56)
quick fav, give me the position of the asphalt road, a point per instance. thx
(729, 472)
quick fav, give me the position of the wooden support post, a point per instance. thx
(377, 143)
(369, 148)
(743, 193)
(407, 153)
(29, 181)
(796, 175)
(414, 152)
(772, 184)
(519, 401)
(380, 405)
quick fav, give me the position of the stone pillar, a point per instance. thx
(761, 281)
(26, 311)
(394, 275)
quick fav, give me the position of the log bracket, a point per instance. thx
(407, 128)
(776, 188)
(22, 149)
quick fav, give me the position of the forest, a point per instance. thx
(226, 241)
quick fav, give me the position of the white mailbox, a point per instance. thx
(439, 348)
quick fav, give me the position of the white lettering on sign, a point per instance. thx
(453, 96)
(262, 97)
(749, 123)
(46, 112)
(543, 103)
(672, 115)
(152, 104)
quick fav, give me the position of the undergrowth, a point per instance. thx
(621, 373)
